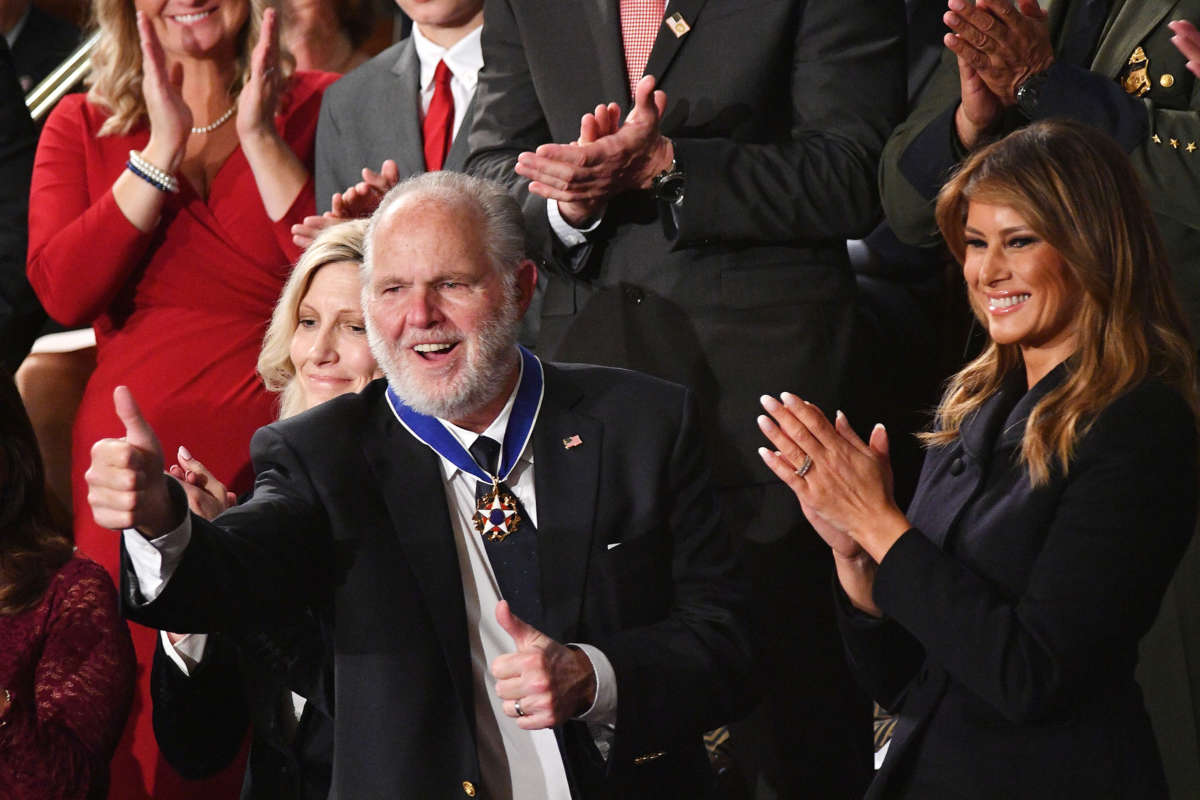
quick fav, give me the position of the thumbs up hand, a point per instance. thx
(543, 683)
(126, 485)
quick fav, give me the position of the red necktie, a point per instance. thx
(640, 21)
(439, 119)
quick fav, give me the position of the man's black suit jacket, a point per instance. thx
(1013, 613)
(778, 110)
(244, 679)
(349, 509)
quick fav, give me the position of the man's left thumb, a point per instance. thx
(524, 635)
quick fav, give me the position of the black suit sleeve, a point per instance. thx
(1120, 527)
(21, 315)
(814, 182)
(261, 562)
(847, 92)
(701, 649)
(199, 720)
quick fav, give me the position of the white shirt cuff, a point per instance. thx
(603, 710)
(567, 233)
(154, 560)
(187, 652)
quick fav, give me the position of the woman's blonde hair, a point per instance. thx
(341, 242)
(115, 80)
(1076, 189)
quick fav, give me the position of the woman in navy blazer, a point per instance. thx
(1000, 617)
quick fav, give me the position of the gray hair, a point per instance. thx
(494, 209)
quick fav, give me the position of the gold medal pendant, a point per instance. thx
(496, 515)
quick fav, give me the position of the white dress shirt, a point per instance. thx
(464, 59)
(515, 764)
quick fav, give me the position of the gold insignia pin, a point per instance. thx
(1166, 80)
(678, 25)
(1136, 81)
(1156, 139)
(1191, 147)
(1175, 143)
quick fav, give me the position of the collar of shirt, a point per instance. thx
(464, 58)
(15, 31)
(494, 431)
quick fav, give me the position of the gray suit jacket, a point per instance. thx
(372, 114)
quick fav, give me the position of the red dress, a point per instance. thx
(179, 315)
(68, 666)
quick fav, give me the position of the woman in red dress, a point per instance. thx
(66, 664)
(160, 213)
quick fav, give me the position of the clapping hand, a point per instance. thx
(998, 46)
(846, 491)
(605, 161)
(1187, 41)
(259, 98)
(206, 495)
(169, 116)
(356, 202)
(543, 683)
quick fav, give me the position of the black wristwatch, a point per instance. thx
(668, 185)
(1028, 94)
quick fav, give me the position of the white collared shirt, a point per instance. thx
(464, 58)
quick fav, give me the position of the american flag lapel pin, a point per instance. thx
(572, 441)
(678, 25)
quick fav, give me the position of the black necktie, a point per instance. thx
(514, 559)
(1082, 29)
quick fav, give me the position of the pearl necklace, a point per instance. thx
(221, 120)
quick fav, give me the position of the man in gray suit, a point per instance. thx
(377, 116)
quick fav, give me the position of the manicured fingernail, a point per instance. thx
(879, 426)
(184, 454)
(768, 402)
(840, 415)
(763, 419)
(762, 452)
(788, 397)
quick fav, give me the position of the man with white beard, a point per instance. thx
(548, 614)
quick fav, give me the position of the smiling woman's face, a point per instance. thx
(1020, 284)
(329, 346)
(196, 28)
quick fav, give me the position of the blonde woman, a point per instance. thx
(161, 209)
(1000, 617)
(208, 689)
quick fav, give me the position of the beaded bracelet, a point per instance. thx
(159, 179)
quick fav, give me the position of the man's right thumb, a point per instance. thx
(137, 431)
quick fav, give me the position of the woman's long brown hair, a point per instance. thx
(1077, 190)
(31, 550)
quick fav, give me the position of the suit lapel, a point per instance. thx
(409, 479)
(667, 44)
(604, 24)
(402, 110)
(1134, 22)
(566, 481)
(952, 474)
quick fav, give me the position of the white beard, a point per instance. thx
(489, 352)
